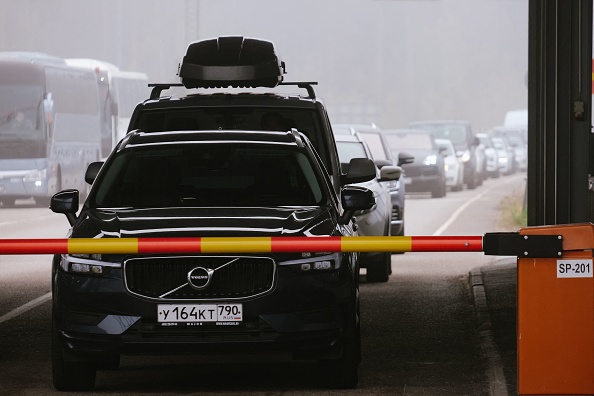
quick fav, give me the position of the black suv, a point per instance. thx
(213, 184)
(254, 97)
(190, 167)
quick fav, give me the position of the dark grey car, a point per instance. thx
(426, 173)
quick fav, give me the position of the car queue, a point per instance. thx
(432, 163)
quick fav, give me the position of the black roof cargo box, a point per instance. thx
(231, 61)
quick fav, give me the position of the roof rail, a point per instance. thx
(304, 85)
(160, 87)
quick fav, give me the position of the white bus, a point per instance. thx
(121, 91)
(49, 126)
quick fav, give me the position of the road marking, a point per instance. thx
(24, 308)
(466, 204)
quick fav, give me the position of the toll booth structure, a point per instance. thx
(555, 312)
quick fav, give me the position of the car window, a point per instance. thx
(209, 175)
(350, 150)
(404, 141)
(374, 141)
(486, 141)
(454, 132)
(238, 118)
(447, 149)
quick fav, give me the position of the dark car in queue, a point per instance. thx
(467, 146)
(426, 173)
(208, 184)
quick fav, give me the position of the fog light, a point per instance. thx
(86, 268)
(322, 265)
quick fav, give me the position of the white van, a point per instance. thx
(516, 118)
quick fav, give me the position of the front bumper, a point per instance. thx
(305, 315)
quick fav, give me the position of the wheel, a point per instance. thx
(439, 191)
(471, 184)
(70, 375)
(8, 202)
(343, 373)
(42, 201)
(109, 363)
(379, 269)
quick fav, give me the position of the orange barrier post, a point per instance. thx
(555, 328)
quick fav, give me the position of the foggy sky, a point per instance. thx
(383, 61)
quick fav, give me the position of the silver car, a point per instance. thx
(377, 220)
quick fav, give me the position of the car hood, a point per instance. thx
(198, 222)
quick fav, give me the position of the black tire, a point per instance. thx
(439, 191)
(70, 376)
(42, 201)
(471, 183)
(379, 269)
(8, 202)
(343, 373)
(109, 363)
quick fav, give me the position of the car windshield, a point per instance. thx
(485, 141)
(446, 148)
(454, 132)
(210, 175)
(409, 141)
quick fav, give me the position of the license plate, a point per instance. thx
(200, 313)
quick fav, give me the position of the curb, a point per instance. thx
(495, 375)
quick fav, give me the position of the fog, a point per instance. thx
(383, 61)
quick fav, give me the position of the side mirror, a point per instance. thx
(355, 198)
(65, 202)
(390, 172)
(359, 170)
(405, 158)
(476, 141)
(92, 171)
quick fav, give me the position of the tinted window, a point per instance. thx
(454, 132)
(238, 118)
(209, 175)
(374, 141)
(403, 141)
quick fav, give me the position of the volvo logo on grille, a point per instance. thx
(199, 277)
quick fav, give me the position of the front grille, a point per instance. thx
(166, 278)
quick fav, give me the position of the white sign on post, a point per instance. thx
(575, 268)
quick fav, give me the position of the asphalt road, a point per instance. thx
(419, 330)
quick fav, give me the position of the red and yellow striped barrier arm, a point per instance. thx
(242, 245)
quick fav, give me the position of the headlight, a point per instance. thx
(321, 263)
(91, 264)
(430, 160)
(464, 155)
